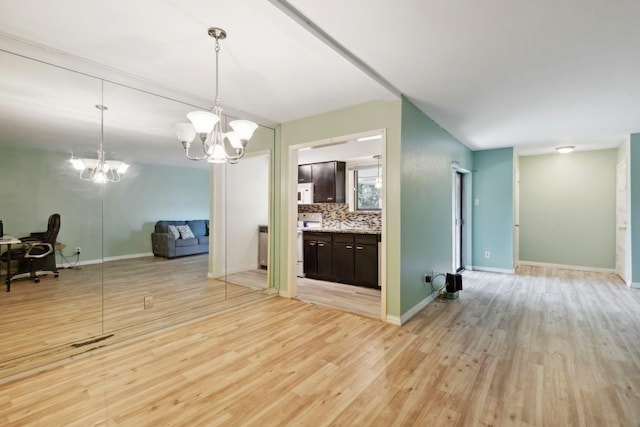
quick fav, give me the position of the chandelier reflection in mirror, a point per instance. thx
(208, 127)
(100, 170)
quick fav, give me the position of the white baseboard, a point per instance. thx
(634, 285)
(568, 267)
(399, 321)
(68, 264)
(491, 269)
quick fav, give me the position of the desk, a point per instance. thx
(8, 241)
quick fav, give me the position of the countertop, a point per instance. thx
(343, 230)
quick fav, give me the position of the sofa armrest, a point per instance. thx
(163, 244)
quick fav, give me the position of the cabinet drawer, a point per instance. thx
(366, 239)
(343, 238)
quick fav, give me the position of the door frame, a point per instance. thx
(292, 212)
(465, 232)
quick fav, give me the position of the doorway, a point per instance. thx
(458, 221)
(622, 263)
(357, 152)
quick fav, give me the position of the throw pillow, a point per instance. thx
(185, 232)
(173, 230)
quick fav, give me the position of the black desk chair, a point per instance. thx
(36, 257)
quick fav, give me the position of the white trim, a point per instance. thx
(634, 285)
(399, 321)
(394, 320)
(492, 270)
(284, 293)
(568, 267)
(68, 264)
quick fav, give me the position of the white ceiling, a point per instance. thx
(495, 73)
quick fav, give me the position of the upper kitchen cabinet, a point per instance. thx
(304, 174)
(329, 182)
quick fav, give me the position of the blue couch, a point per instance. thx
(164, 244)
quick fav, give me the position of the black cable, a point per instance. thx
(64, 259)
(433, 279)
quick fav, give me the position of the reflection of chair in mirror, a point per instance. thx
(36, 257)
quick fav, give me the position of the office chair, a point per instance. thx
(36, 257)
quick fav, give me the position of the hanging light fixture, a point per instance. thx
(100, 170)
(378, 183)
(208, 127)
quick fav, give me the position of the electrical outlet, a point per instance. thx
(333, 215)
(487, 254)
(343, 215)
(427, 278)
(77, 249)
(148, 302)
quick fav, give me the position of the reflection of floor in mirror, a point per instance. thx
(76, 306)
(355, 299)
(255, 279)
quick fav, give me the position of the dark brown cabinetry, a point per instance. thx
(328, 182)
(342, 257)
(328, 179)
(304, 174)
(318, 256)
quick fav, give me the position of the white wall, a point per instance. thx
(242, 204)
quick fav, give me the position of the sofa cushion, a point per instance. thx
(185, 232)
(187, 242)
(161, 226)
(203, 240)
(199, 227)
(171, 229)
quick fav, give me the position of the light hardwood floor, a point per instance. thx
(40, 320)
(354, 299)
(542, 347)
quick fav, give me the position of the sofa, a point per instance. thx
(172, 239)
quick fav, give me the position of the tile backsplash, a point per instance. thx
(332, 216)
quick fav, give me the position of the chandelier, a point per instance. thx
(100, 170)
(207, 126)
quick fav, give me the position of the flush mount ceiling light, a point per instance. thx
(206, 125)
(100, 170)
(566, 149)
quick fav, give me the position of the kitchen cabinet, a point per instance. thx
(304, 174)
(349, 258)
(329, 182)
(343, 258)
(318, 260)
(366, 260)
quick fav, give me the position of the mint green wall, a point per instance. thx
(493, 216)
(634, 188)
(49, 184)
(426, 202)
(361, 118)
(567, 209)
(146, 194)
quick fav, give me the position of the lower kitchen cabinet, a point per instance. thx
(318, 260)
(342, 257)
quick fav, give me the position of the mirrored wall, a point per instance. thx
(115, 287)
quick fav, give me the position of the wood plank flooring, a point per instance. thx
(40, 320)
(542, 347)
(354, 299)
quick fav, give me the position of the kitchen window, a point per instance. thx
(367, 196)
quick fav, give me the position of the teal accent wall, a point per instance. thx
(37, 183)
(493, 216)
(427, 183)
(567, 209)
(634, 188)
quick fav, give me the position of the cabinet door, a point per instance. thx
(324, 260)
(304, 174)
(366, 265)
(324, 182)
(310, 257)
(343, 262)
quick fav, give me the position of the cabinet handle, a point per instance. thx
(329, 198)
(359, 248)
(321, 244)
(349, 247)
(312, 243)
